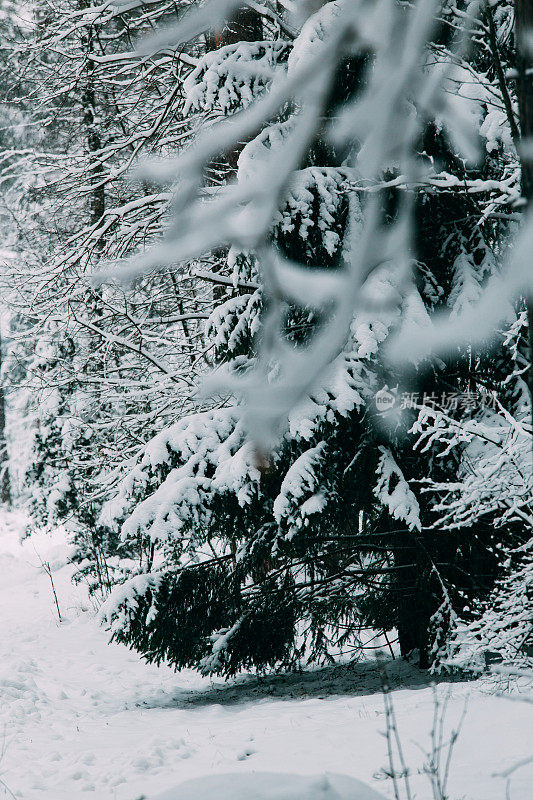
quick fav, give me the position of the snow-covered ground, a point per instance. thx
(80, 718)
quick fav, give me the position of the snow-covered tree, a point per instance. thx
(493, 486)
(263, 558)
(104, 367)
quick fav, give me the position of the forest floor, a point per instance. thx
(81, 718)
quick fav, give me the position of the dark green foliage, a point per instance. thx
(183, 610)
(290, 586)
(177, 619)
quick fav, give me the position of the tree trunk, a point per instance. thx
(5, 484)
(246, 25)
(92, 126)
(524, 64)
(414, 601)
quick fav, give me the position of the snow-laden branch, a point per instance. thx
(379, 127)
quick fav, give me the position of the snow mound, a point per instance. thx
(272, 786)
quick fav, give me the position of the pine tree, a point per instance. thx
(267, 561)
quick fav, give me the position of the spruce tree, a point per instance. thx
(263, 562)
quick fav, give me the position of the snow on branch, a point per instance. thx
(495, 466)
(378, 128)
(393, 491)
(301, 481)
(233, 76)
(200, 456)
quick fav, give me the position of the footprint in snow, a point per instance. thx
(249, 751)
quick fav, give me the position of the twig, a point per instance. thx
(392, 730)
(46, 567)
(515, 133)
(519, 764)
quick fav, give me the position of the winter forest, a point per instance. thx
(266, 442)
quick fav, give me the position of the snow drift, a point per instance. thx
(272, 786)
